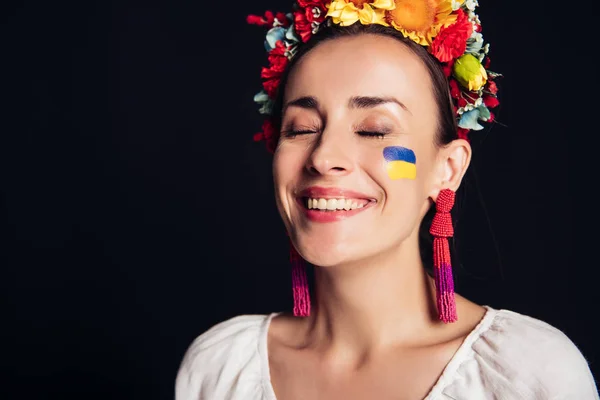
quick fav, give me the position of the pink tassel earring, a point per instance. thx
(442, 229)
(299, 284)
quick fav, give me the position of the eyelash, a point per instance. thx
(373, 134)
(293, 133)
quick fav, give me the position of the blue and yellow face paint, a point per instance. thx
(400, 162)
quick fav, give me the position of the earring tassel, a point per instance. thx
(441, 229)
(299, 284)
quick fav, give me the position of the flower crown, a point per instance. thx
(449, 29)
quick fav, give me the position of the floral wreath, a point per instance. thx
(449, 29)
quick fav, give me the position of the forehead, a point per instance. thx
(364, 65)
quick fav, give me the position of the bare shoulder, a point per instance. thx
(470, 315)
(287, 330)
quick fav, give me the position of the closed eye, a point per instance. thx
(295, 132)
(372, 134)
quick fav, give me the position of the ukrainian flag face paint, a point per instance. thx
(400, 162)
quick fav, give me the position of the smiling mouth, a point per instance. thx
(332, 205)
(322, 210)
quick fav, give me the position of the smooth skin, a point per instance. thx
(373, 332)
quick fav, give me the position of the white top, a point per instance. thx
(507, 356)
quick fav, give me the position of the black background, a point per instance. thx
(138, 212)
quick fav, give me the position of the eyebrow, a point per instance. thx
(307, 102)
(374, 101)
(311, 103)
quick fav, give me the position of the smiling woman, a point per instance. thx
(369, 110)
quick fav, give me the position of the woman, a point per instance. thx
(369, 108)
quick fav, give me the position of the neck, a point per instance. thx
(372, 304)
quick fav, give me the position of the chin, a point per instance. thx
(327, 260)
(323, 254)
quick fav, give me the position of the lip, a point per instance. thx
(331, 193)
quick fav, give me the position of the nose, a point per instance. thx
(330, 156)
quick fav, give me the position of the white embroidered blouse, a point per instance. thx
(508, 356)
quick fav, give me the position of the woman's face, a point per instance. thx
(354, 167)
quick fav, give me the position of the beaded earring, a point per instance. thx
(442, 229)
(299, 284)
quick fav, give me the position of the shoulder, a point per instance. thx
(533, 357)
(223, 359)
(519, 336)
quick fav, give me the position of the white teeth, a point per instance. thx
(331, 204)
(336, 204)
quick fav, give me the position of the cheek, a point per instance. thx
(399, 163)
(287, 165)
(403, 184)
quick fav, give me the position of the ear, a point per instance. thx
(452, 162)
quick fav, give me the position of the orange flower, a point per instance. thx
(421, 20)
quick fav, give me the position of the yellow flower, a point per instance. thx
(421, 20)
(347, 12)
(469, 72)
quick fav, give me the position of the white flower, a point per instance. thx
(476, 36)
(265, 103)
(471, 4)
(455, 5)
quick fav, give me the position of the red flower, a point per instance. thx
(277, 57)
(310, 12)
(268, 134)
(451, 41)
(268, 20)
(492, 117)
(447, 68)
(486, 63)
(313, 3)
(282, 19)
(271, 86)
(302, 25)
(490, 101)
(454, 89)
(491, 87)
(463, 133)
(471, 97)
(272, 75)
(462, 102)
